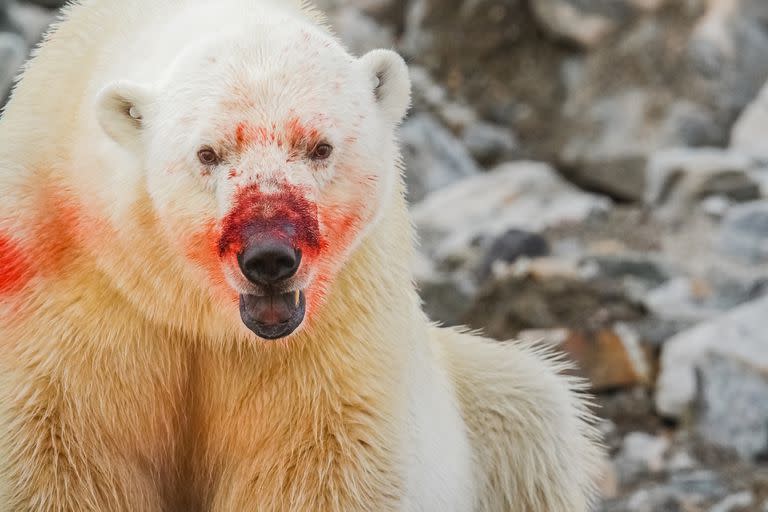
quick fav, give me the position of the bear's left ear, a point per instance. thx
(121, 107)
(390, 82)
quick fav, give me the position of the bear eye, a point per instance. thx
(321, 152)
(207, 156)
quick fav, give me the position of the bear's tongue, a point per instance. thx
(272, 316)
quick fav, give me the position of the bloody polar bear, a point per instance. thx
(183, 181)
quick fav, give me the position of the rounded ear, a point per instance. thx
(120, 109)
(390, 82)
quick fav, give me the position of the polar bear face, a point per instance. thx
(268, 156)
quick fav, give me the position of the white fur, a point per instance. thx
(128, 381)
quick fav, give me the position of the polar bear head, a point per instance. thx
(268, 156)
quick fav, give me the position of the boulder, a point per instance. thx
(529, 196)
(685, 491)
(678, 179)
(738, 335)
(614, 135)
(610, 358)
(13, 53)
(359, 32)
(641, 455)
(509, 247)
(547, 293)
(581, 23)
(744, 232)
(751, 129)
(488, 143)
(697, 299)
(732, 406)
(433, 156)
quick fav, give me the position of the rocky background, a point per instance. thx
(593, 174)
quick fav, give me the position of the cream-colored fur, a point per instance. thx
(126, 385)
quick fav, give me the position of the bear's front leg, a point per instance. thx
(76, 444)
(50, 463)
(311, 487)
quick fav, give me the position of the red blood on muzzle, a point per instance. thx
(285, 215)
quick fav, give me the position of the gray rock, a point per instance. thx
(488, 143)
(636, 268)
(641, 454)
(677, 179)
(744, 232)
(737, 501)
(446, 296)
(524, 195)
(760, 175)
(686, 491)
(751, 129)
(50, 4)
(647, 5)
(13, 52)
(33, 20)
(693, 300)
(739, 335)
(579, 22)
(728, 47)
(716, 206)
(359, 32)
(7, 21)
(433, 156)
(427, 93)
(510, 246)
(546, 293)
(733, 405)
(618, 133)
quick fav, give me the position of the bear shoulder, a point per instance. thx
(533, 437)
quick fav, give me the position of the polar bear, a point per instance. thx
(206, 300)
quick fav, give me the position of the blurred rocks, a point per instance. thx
(583, 23)
(524, 195)
(543, 293)
(50, 4)
(489, 144)
(360, 32)
(739, 336)
(609, 358)
(433, 157)
(751, 129)
(641, 454)
(13, 53)
(617, 134)
(682, 492)
(509, 247)
(678, 179)
(21, 26)
(729, 384)
(744, 232)
(697, 299)
(737, 501)
(638, 272)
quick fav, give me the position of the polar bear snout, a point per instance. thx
(269, 261)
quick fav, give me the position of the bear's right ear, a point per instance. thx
(120, 110)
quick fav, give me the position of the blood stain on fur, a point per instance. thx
(286, 214)
(15, 266)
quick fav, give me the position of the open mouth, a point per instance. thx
(275, 315)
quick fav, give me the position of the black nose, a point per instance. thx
(269, 262)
